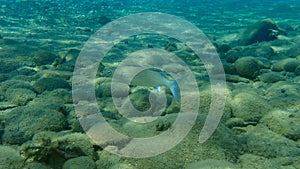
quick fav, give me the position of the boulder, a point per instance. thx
(265, 30)
(248, 67)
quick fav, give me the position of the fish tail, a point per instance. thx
(175, 90)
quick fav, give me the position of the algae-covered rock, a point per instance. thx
(23, 122)
(10, 158)
(44, 57)
(212, 164)
(261, 50)
(49, 84)
(40, 147)
(20, 96)
(12, 84)
(259, 140)
(297, 70)
(284, 123)
(123, 166)
(248, 67)
(104, 90)
(35, 165)
(294, 51)
(255, 161)
(55, 149)
(221, 146)
(249, 107)
(291, 65)
(75, 145)
(271, 77)
(80, 163)
(107, 160)
(265, 30)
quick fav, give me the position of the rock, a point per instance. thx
(248, 67)
(23, 122)
(287, 162)
(13, 84)
(294, 51)
(73, 122)
(35, 165)
(235, 122)
(3, 77)
(104, 137)
(261, 50)
(222, 48)
(74, 145)
(250, 107)
(63, 94)
(104, 90)
(107, 160)
(236, 79)
(72, 54)
(8, 66)
(103, 20)
(291, 65)
(283, 89)
(255, 161)
(19, 96)
(212, 164)
(44, 58)
(39, 148)
(265, 30)
(284, 123)
(56, 148)
(123, 166)
(66, 66)
(80, 163)
(231, 58)
(297, 70)
(261, 141)
(170, 46)
(271, 77)
(49, 84)
(10, 158)
(222, 145)
(140, 99)
(205, 102)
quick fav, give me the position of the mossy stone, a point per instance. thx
(284, 123)
(249, 107)
(260, 140)
(23, 122)
(297, 70)
(10, 158)
(44, 58)
(49, 84)
(212, 164)
(265, 30)
(271, 77)
(291, 65)
(80, 163)
(248, 67)
(20, 96)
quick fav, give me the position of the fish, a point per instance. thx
(155, 79)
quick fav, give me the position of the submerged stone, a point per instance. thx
(248, 67)
(80, 163)
(49, 84)
(44, 58)
(265, 30)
